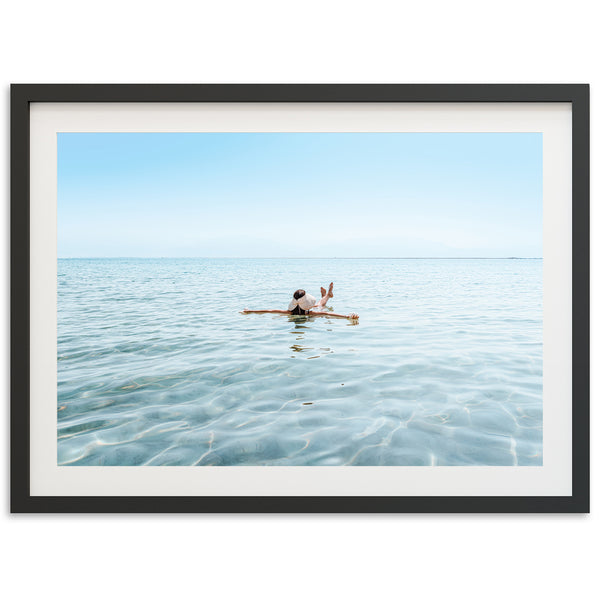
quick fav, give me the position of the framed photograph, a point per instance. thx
(300, 298)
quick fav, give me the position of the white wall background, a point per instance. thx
(465, 41)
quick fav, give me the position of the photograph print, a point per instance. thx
(300, 299)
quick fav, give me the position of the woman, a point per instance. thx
(305, 304)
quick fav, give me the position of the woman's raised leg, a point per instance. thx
(325, 295)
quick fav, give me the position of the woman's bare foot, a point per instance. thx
(329, 292)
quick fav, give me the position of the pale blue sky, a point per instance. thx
(300, 194)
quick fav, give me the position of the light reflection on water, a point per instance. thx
(156, 366)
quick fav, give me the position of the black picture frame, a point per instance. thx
(22, 95)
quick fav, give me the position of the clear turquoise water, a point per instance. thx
(157, 367)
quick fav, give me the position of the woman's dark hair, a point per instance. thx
(297, 310)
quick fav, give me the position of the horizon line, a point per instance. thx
(317, 257)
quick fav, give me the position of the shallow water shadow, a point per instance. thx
(300, 329)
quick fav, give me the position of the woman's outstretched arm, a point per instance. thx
(282, 312)
(332, 314)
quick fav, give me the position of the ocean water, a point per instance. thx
(156, 366)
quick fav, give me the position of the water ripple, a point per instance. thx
(157, 367)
